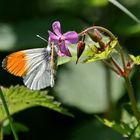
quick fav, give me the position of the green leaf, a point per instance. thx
(128, 127)
(90, 54)
(122, 128)
(135, 59)
(19, 98)
(131, 123)
(100, 55)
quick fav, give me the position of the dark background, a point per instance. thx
(20, 21)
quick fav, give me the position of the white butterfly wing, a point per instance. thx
(39, 73)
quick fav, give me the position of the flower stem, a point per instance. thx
(120, 71)
(132, 98)
(127, 80)
(110, 66)
(8, 114)
(112, 36)
(109, 92)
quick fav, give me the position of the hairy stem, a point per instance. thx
(132, 98)
(120, 71)
(111, 35)
(110, 66)
(8, 114)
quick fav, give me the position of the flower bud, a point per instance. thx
(80, 49)
(95, 35)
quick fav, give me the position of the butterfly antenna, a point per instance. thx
(41, 38)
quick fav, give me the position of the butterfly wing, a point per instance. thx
(34, 65)
(16, 63)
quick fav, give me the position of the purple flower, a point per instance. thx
(62, 40)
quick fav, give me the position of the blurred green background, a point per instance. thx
(81, 88)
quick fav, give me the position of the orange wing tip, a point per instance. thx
(16, 63)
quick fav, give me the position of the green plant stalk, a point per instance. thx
(121, 54)
(110, 66)
(8, 114)
(127, 80)
(1, 133)
(125, 10)
(108, 92)
(132, 98)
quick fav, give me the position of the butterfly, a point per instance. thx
(36, 66)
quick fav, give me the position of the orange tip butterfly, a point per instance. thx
(36, 66)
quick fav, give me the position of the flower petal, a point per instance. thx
(61, 54)
(64, 50)
(53, 37)
(71, 37)
(57, 28)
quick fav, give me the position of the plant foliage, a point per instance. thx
(19, 98)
